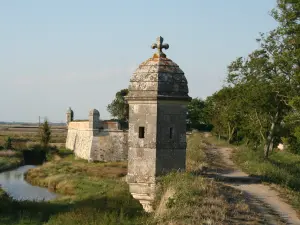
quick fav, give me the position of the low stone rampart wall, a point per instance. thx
(79, 139)
(110, 146)
(105, 145)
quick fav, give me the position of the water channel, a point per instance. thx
(14, 184)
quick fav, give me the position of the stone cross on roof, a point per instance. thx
(159, 45)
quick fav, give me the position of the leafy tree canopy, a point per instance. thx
(197, 116)
(119, 108)
(260, 101)
(45, 134)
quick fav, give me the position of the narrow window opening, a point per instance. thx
(141, 132)
(171, 133)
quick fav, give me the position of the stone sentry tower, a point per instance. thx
(70, 115)
(157, 98)
(94, 121)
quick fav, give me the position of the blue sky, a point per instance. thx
(55, 54)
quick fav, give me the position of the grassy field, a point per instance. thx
(10, 160)
(92, 193)
(198, 200)
(24, 136)
(282, 170)
(96, 193)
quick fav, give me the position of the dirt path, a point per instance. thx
(261, 196)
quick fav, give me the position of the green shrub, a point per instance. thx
(45, 134)
(8, 143)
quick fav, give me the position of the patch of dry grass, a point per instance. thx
(281, 171)
(92, 193)
(21, 135)
(66, 175)
(196, 157)
(8, 153)
(199, 200)
(10, 160)
(288, 195)
(201, 154)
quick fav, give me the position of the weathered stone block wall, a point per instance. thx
(93, 145)
(79, 139)
(79, 125)
(71, 136)
(141, 153)
(110, 146)
(83, 144)
(110, 125)
(80, 142)
(73, 128)
(171, 136)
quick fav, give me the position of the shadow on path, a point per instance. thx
(262, 197)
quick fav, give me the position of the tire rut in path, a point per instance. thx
(261, 196)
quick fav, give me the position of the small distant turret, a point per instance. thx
(94, 119)
(70, 115)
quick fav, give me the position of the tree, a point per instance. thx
(273, 71)
(224, 112)
(45, 134)
(8, 143)
(268, 88)
(119, 108)
(197, 115)
(259, 103)
(287, 14)
(292, 122)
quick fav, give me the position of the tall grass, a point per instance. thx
(282, 169)
(192, 199)
(95, 193)
(10, 160)
(198, 200)
(21, 137)
(88, 211)
(91, 193)
(196, 157)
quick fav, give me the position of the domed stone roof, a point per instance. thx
(94, 111)
(159, 78)
(69, 110)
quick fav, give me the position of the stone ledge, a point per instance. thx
(158, 97)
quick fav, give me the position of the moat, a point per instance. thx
(14, 184)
